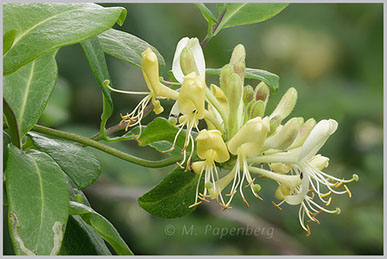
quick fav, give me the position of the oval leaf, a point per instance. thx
(102, 226)
(81, 239)
(27, 90)
(127, 47)
(79, 164)
(97, 61)
(207, 14)
(8, 39)
(248, 13)
(50, 26)
(160, 135)
(172, 197)
(270, 79)
(38, 202)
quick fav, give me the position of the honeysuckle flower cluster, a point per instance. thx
(241, 141)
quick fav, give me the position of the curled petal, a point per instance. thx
(317, 138)
(197, 52)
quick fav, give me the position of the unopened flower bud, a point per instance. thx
(238, 61)
(225, 74)
(262, 92)
(286, 105)
(280, 168)
(284, 137)
(319, 162)
(274, 123)
(187, 62)
(303, 133)
(238, 54)
(234, 96)
(192, 96)
(248, 94)
(257, 109)
(210, 145)
(250, 137)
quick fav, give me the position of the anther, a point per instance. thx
(248, 205)
(308, 234)
(231, 194)
(195, 204)
(326, 194)
(138, 141)
(276, 205)
(250, 183)
(329, 201)
(338, 184)
(348, 191)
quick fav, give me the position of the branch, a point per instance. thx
(107, 149)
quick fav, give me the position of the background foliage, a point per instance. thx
(332, 54)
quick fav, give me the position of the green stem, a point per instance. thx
(107, 149)
(214, 27)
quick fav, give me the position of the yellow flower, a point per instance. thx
(211, 148)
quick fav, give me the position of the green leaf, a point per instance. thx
(270, 79)
(78, 163)
(97, 61)
(172, 197)
(127, 47)
(13, 129)
(248, 13)
(207, 14)
(38, 202)
(81, 239)
(51, 26)
(220, 7)
(103, 227)
(27, 90)
(6, 142)
(160, 135)
(57, 110)
(8, 39)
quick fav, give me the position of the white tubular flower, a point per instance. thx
(190, 103)
(309, 166)
(211, 147)
(150, 70)
(188, 58)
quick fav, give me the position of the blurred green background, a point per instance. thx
(331, 53)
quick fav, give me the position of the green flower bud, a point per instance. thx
(234, 96)
(303, 133)
(248, 94)
(225, 74)
(262, 92)
(238, 54)
(238, 61)
(286, 105)
(257, 109)
(274, 123)
(187, 62)
(285, 136)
